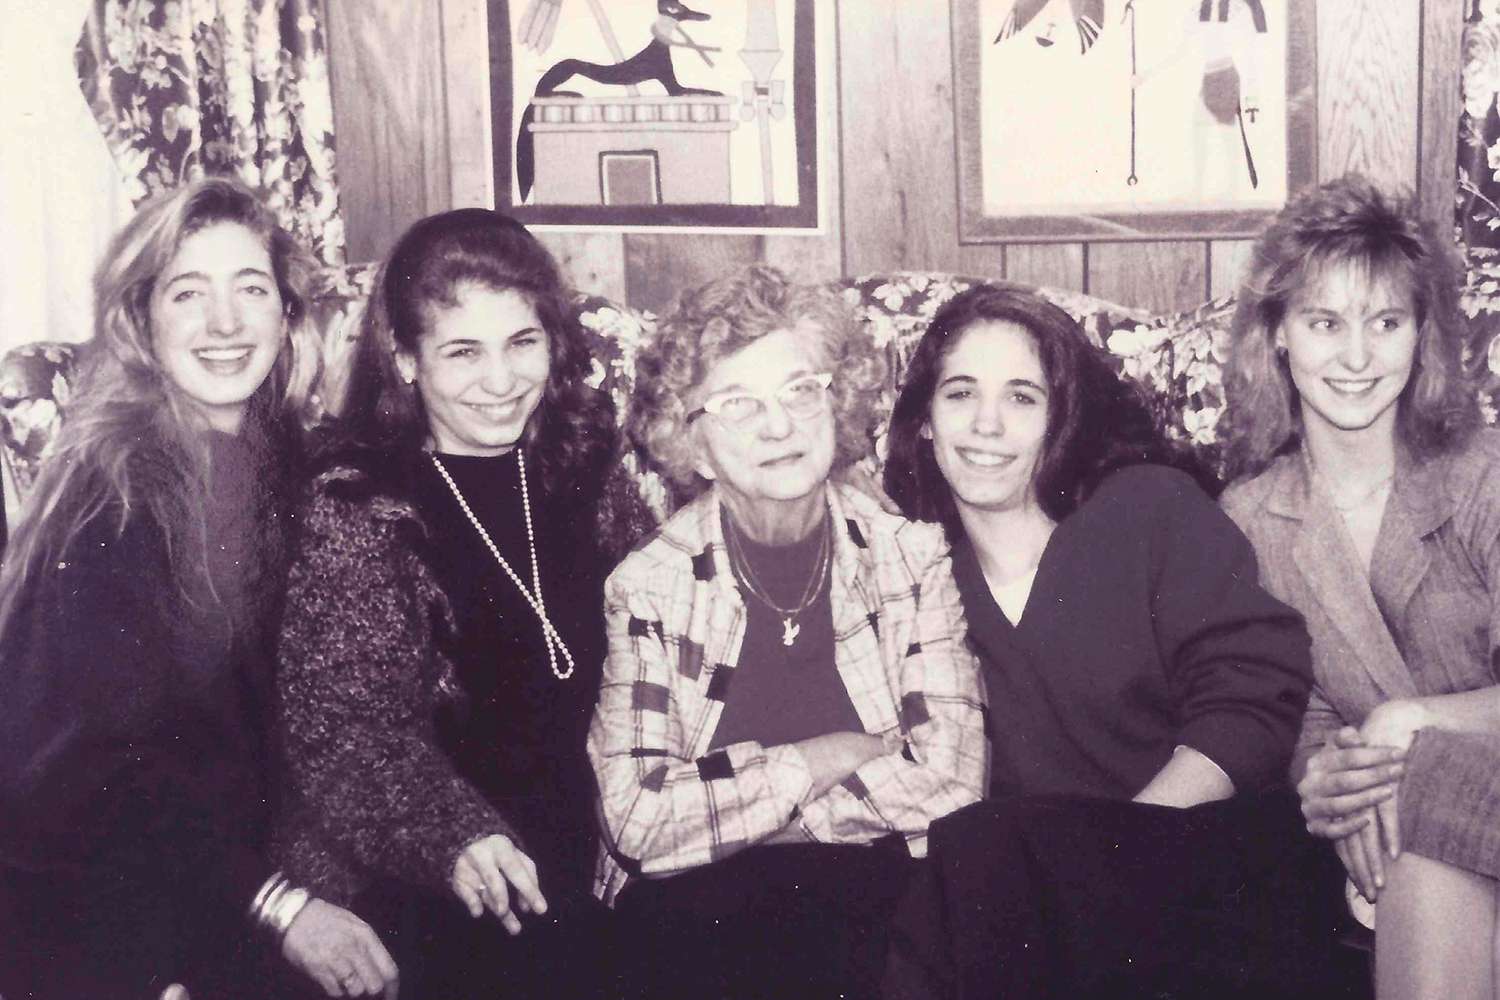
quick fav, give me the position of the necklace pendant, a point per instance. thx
(789, 631)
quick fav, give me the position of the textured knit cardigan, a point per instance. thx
(361, 683)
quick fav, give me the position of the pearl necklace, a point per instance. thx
(549, 633)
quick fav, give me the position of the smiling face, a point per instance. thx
(988, 419)
(1350, 343)
(481, 368)
(217, 321)
(774, 457)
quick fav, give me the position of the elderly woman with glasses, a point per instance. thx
(787, 700)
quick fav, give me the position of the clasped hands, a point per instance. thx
(1350, 791)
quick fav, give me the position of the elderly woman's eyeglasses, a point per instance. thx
(801, 397)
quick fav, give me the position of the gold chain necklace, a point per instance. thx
(740, 565)
(549, 633)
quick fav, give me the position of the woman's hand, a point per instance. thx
(834, 756)
(1349, 795)
(340, 952)
(1344, 779)
(486, 874)
(1360, 853)
(1395, 723)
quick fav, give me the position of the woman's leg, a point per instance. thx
(1434, 932)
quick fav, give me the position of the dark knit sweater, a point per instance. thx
(1145, 629)
(385, 688)
(135, 735)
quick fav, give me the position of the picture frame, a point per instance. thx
(1095, 120)
(641, 116)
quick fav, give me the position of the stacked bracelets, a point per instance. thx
(277, 904)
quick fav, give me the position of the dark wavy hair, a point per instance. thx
(1347, 222)
(571, 436)
(1096, 421)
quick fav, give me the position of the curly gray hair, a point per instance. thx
(711, 323)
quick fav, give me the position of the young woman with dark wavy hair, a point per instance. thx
(444, 633)
(1373, 501)
(1143, 691)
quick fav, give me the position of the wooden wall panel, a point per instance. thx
(591, 262)
(1368, 89)
(1162, 276)
(1227, 260)
(389, 116)
(1441, 98)
(1058, 265)
(900, 202)
(466, 79)
(657, 268)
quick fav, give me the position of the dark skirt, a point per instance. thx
(445, 954)
(1034, 897)
(796, 920)
(105, 934)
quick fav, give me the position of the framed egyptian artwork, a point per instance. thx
(1131, 119)
(650, 115)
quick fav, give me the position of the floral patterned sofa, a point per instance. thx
(1177, 355)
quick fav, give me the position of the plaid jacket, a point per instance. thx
(676, 622)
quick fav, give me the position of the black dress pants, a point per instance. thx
(1042, 897)
(798, 920)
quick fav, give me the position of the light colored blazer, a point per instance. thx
(676, 623)
(1426, 621)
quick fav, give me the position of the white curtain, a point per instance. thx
(61, 197)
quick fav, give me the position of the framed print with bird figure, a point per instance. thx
(655, 115)
(1131, 119)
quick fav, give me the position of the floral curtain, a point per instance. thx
(183, 88)
(1478, 202)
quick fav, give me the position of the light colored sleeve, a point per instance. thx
(665, 811)
(944, 760)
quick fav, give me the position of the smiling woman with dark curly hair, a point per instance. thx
(786, 681)
(443, 634)
(1144, 691)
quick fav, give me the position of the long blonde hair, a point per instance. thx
(132, 440)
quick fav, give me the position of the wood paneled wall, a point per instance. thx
(411, 107)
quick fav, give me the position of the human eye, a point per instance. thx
(957, 393)
(186, 294)
(525, 341)
(1023, 398)
(801, 389)
(459, 351)
(737, 407)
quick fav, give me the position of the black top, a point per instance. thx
(782, 694)
(1145, 629)
(135, 742)
(519, 734)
